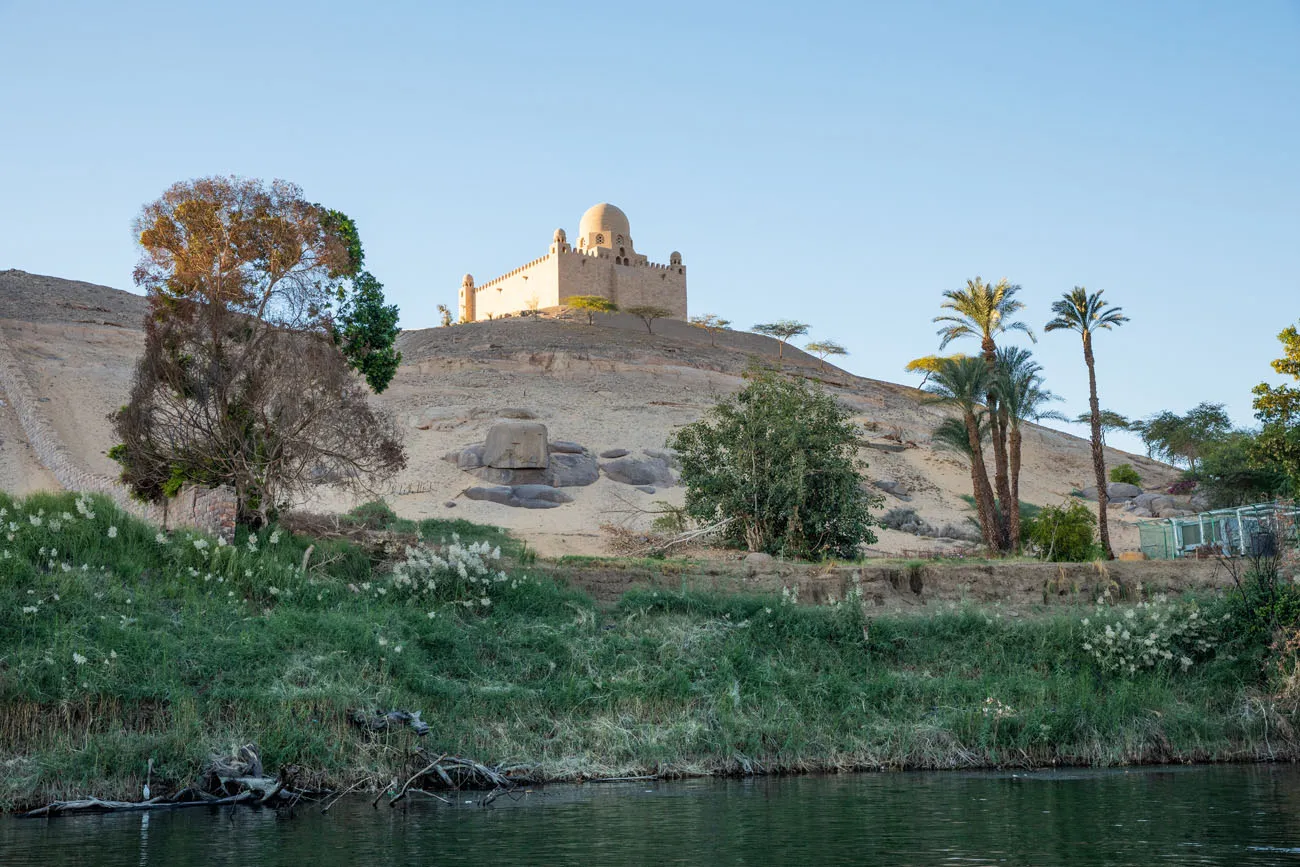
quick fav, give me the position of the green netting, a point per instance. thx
(1247, 530)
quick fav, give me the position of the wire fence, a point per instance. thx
(1255, 530)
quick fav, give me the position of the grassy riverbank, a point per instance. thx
(118, 644)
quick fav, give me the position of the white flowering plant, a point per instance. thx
(452, 573)
(1154, 633)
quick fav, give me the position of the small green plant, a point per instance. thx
(1125, 474)
(591, 305)
(1063, 534)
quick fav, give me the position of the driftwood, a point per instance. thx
(97, 805)
(233, 779)
(455, 773)
(382, 722)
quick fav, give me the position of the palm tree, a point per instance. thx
(1084, 312)
(964, 384)
(985, 310)
(1020, 389)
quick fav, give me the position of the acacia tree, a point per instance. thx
(963, 383)
(258, 315)
(1110, 420)
(591, 305)
(711, 323)
(1084, 312)
(823, 348)
(984, 311)
(1182, 438)
(648, 313)
(928, 364)
(783, 330)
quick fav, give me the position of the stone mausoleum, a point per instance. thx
(604, 263)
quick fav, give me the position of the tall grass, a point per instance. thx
(118, 643)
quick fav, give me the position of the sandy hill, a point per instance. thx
(606, 386)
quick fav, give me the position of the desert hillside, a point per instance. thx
(611, 386)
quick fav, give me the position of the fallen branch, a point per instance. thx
(402, 794)
(96, 805)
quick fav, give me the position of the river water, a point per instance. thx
(1238, 815)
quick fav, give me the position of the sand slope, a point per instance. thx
(606, 386)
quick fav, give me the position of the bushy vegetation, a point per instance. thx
(1125, 474)
(1065, 534)
(776, 461)
(120, 644)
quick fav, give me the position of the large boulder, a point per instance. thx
(668, 456)
(514, 445)
(1115, 492)
(610, 454)
(636, 471)
(1122, 491)
(521, 496)
(572, 470)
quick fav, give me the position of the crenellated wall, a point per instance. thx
(552, 279)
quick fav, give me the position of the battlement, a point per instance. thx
(521, 269)
(604, 264)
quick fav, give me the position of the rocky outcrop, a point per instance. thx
(521, 496)
(1115, 492)
(516, 445)
(640, 471)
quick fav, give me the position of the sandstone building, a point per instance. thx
(604, 263)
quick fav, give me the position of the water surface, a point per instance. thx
(1240, 815)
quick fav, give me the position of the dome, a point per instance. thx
(606, 219)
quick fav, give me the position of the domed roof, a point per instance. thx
(604, 218)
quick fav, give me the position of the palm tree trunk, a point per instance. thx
(998, 431)
(1098, 456)
(979, 475)
(1014, 460)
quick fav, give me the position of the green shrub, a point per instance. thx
(778, 460)
(1126, 474)
(1063, 534)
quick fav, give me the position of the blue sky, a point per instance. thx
(839, 163)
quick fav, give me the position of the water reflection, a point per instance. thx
(1224, 815)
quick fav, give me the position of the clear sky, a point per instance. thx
(838, 163)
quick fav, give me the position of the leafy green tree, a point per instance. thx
(1063, 534)
(783, 330)
(985, 311)
(964, 384)
(1022, 394)
(648, 313)
(823, 348)
(778, 460)
(366, 331)
(1278, 408)
(591, 305)
(259, 313)
(1231, 473)
(711, 323)
(1182, 439)
(1085, 313)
